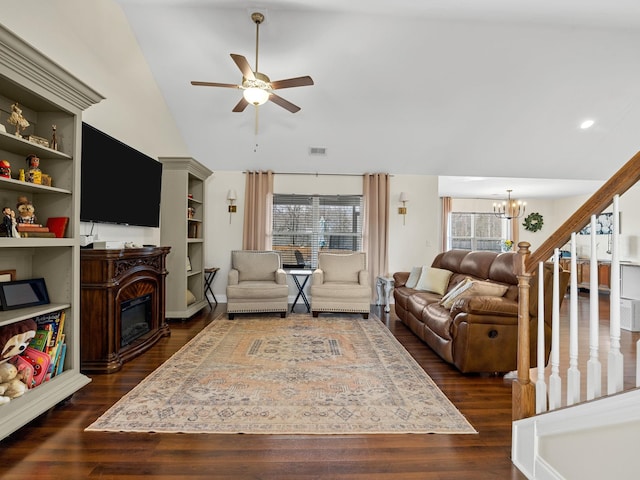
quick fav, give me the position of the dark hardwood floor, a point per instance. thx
(55, 446)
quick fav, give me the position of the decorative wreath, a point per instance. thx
(533, 222)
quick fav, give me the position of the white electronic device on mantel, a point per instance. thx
(86, 240)
(108, 245)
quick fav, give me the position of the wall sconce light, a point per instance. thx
(231, 198)
(404, 198)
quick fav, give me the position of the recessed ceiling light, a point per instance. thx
(587, 124)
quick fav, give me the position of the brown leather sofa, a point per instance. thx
(478, 333)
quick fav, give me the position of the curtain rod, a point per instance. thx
(316, 174)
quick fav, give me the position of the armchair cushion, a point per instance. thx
(341, 284)
(341, 267)
(256, 283)
(255, 265)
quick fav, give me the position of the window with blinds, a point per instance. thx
(304, 225)
(476, 231)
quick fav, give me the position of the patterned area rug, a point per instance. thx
(298, 375)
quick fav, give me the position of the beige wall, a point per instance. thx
(414, 243)
(93, 40)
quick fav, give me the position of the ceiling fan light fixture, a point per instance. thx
(255, 96)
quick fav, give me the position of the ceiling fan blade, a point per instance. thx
(292, 82)
(242, 104)
(214, 84)
(244, 66)
(283, 103)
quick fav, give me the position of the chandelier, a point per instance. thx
(509, 208)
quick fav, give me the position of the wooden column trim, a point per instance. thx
(523, 389)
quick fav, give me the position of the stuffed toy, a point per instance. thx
(14, 339)
(11, 385)
(26, 211)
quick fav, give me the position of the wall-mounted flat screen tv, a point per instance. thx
(118, 183)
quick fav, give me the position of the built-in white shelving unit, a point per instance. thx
(182, 228)
(48, 95)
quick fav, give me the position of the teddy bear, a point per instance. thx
(11, 383)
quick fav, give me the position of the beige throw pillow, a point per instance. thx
(191, 298)
(414, 276)
(434, 280)
(452, 295)
(477, 288)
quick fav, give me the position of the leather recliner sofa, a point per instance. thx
(477, 333)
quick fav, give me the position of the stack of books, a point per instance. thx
(34, 230)
(50, 340)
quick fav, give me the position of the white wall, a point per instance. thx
(414, 243)
(93, 41)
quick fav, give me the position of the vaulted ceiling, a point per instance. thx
(469, 88)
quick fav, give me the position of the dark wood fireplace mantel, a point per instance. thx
(108, 278)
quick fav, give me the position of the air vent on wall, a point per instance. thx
(317, 150)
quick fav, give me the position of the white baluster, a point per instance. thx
(555, 384)
(541, 386)
(573, 374)
(616, 360)
(594, 368)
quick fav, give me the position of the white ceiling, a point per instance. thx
(494, 89)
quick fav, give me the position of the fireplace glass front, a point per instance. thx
(135, 319)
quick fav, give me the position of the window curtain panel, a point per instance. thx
(375, 234)
(258, 205)
(447, 205)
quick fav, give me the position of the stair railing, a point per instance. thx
(524, 392)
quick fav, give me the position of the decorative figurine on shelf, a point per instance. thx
(5, 169)
(9, 223)
(54, 140)
(16, 118)
(26, 211)
(33, 174)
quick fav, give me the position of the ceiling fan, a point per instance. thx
(256, 87)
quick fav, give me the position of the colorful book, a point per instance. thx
(60, 333)
(63, 353)
(37, 234)
(31, 227)
(58, 225)
(40, 362)
(53, 321)
(41, 340)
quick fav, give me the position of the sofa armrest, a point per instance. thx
(317, 278)
(400, 279)
(232, 277)
(281, 277)
(484, 305)
(363, 277)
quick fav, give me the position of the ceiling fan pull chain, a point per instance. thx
(257, 109)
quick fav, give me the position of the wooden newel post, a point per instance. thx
(523, 390)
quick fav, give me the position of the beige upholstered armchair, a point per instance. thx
(256, 283)
(341, 284)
